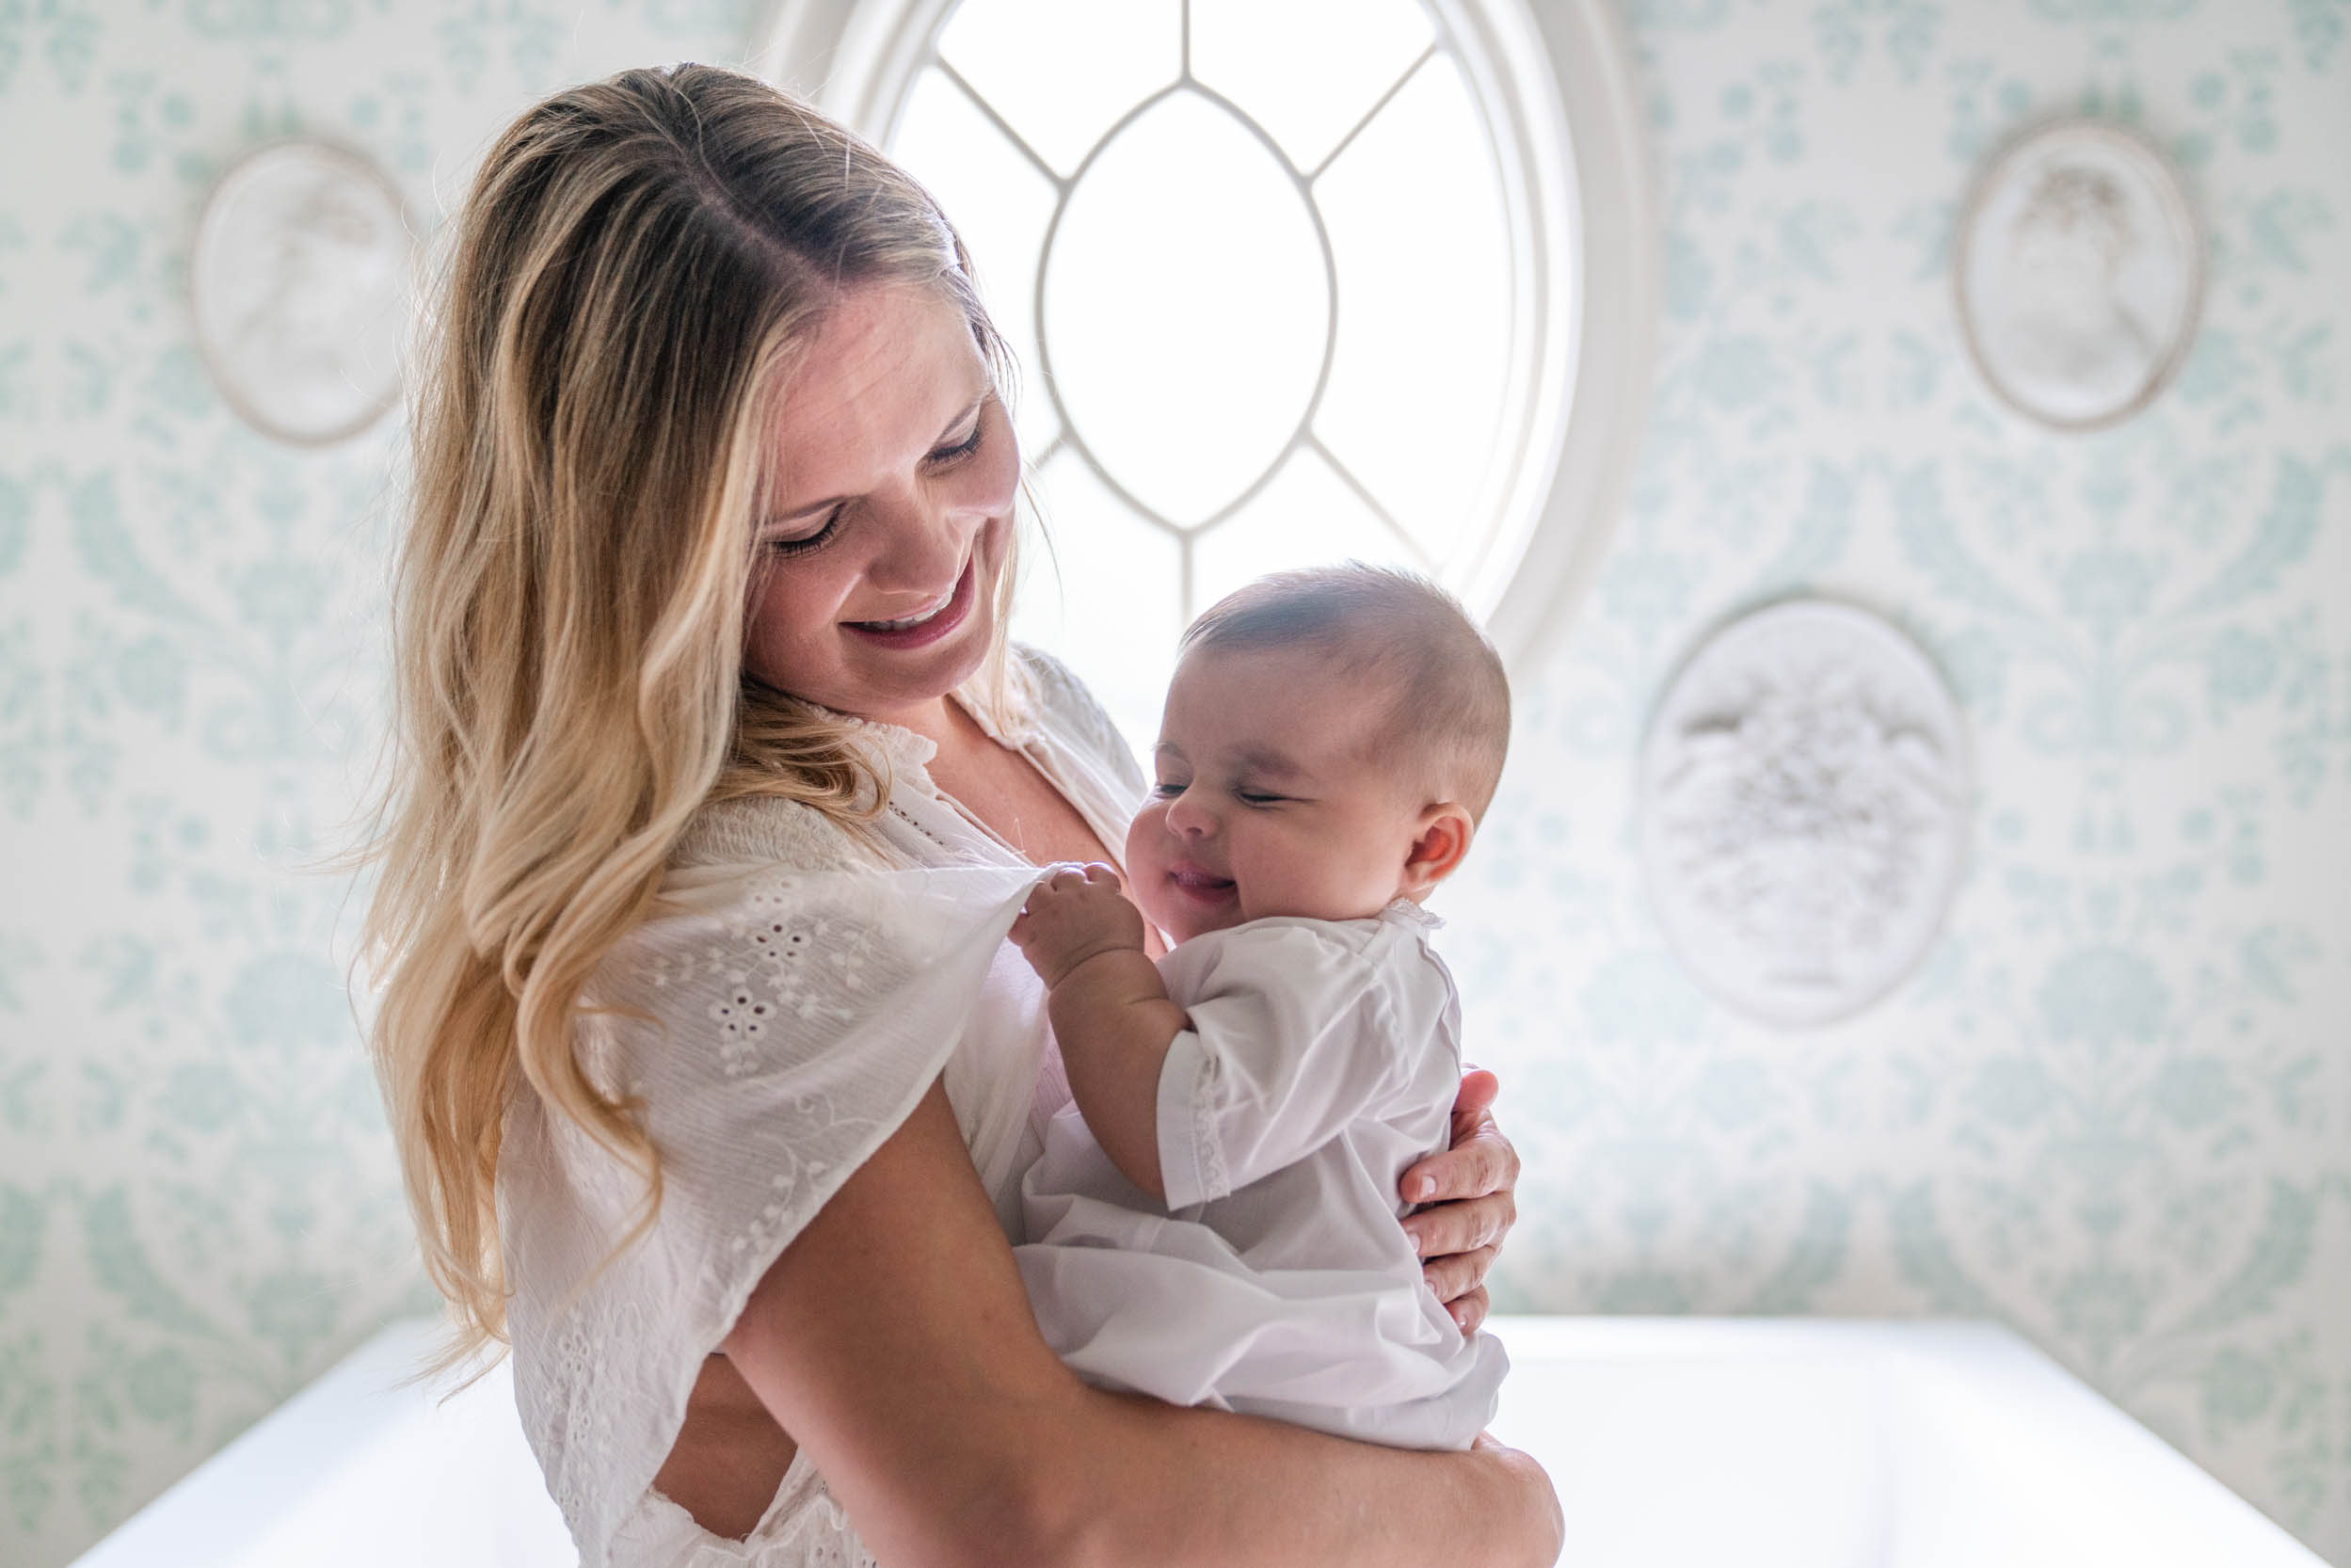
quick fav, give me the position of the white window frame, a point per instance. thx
(1558, 89)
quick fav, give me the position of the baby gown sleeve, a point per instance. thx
(1273, 1065)
(771, 1028)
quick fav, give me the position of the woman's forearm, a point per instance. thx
(1168, 1487)
(893, 1341)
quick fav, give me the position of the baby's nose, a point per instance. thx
(1186, 816)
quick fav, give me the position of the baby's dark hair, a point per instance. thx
(1448, 718)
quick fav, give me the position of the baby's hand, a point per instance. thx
(1075, 913)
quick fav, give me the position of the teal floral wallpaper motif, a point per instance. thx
(2114, 1107)
(198, 1208)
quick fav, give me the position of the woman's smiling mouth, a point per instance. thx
(927, 626)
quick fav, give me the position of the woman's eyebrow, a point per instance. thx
(969, 409)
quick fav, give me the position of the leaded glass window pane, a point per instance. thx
(1257, 264)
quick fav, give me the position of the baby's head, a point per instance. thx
(1331, 740)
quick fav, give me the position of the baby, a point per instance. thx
(1213, 1219)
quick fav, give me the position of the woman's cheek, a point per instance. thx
(788, 615)
(996, 477)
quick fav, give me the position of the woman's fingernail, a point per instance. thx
(1424, 1188)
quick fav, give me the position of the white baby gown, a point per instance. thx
(1322, 1061)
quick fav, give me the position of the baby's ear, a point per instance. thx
(1440, 839)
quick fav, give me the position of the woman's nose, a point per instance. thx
(922, 545)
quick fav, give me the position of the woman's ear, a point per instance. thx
(1440, 840)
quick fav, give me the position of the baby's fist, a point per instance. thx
(1075, 913)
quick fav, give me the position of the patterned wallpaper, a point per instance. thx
(2114, 1107)
(199, 1210)
(2112, 1110)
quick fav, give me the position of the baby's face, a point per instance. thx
(1269, 800)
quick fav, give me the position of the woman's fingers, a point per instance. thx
(1463, 1227)
(1475, 1166)
(1479, 1091)
(1457, 1274)
(1469, 1310)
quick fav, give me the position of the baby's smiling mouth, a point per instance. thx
(1198, 880)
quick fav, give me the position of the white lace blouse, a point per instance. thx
(800, 992)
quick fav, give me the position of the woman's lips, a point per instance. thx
(938, 624)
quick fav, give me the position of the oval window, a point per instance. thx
(1288, 280)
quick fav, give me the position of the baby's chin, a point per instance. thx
(1183, 924)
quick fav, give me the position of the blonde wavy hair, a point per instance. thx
(636, 268)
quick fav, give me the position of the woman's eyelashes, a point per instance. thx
(802, 544)
(941, 456)
(938, 457)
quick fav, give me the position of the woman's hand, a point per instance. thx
(1470, 1193)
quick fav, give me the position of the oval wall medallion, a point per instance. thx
(300, 284)
(1804, 810)
(2079, 272)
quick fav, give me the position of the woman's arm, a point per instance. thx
(892, 1339)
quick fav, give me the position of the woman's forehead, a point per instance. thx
(891, 366)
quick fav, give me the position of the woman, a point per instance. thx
(706, 584)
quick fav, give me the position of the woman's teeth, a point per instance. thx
(911, 620)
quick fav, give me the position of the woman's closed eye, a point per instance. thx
(942, 456)
(938, 458)
(800, 544)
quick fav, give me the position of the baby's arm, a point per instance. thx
(1110, 1011)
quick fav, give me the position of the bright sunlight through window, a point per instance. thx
(1280, 286)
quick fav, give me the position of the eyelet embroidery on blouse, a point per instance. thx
(757, 1117)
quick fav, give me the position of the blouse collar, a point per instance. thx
(1012, 724)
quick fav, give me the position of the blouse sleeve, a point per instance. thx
(1083, 719)
(773, 1027)
(1293, 1036)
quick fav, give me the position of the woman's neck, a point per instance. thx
(939, 721)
